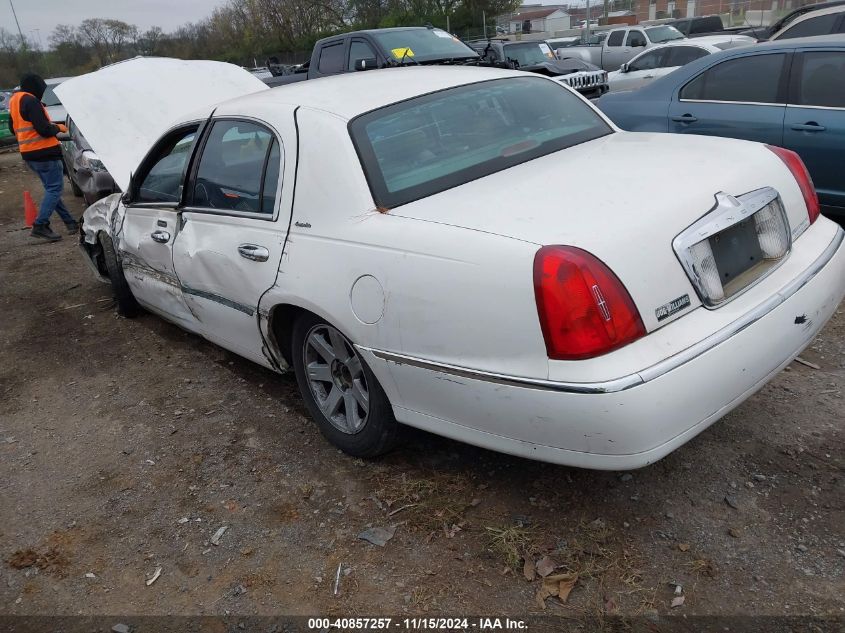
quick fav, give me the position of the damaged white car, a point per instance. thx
(468, 251)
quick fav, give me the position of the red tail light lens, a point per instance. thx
(584, 309)
(805, 183)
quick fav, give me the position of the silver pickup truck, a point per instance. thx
(622, 44)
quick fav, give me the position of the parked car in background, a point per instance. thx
(6, 136)
(5, 95)
(765, 32)
(54, 106)
(827, 21)
(439, 281)
(558, 43)
(86, 172)
(788, 93)
(262, 72)
(662, 60)
(703, 25)
(537, 57)
(379, 48)
(622, 45)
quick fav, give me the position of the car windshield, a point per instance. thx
(422, 146)
(422, 45)
(50, 98)
(663, 33)
(528, 54)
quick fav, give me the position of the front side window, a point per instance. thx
(821, 25)
(331, 59)
(615, 38)
(635, 38)
(683, 55)
(750, 79)
(422, 146)
(359, 49)
(646, 61)
(822, 79)
(163, 181)
(231, 170)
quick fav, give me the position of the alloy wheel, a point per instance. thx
(336, 378)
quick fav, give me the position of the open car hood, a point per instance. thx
(124, 108)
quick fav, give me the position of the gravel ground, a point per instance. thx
(126, 445)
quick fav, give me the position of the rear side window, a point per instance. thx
(821, 25)
(683, 55)
(422, 146)
(331, 59)
(822, 82)
(232, 167)
(615, 38)
(750, 79)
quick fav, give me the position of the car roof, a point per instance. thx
(818, 41)
(54, 81)
(365, 91)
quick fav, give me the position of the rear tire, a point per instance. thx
(127, 306)
(341, 392)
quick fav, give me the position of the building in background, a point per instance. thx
(535, 20)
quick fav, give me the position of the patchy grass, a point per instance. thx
(433, 503)
(512, 543)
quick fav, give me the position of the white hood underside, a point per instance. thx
(124, 108)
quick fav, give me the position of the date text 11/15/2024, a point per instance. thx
(417, 624)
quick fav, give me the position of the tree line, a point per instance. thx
(240, 31)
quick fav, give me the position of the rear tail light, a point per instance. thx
(800, 173)
(584, 309)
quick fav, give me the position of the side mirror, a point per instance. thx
(369, 63)
(639, 44)
(62, 137)
(623, 68)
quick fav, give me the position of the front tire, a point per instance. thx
(127, 306)
(341, 392)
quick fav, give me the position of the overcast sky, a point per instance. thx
(46, 14)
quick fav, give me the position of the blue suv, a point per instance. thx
(789, 93)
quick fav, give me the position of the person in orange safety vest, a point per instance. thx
(40, 149)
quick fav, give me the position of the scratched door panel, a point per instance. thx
(146, 246)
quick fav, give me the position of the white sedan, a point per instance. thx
(468, 251)
(661, 60)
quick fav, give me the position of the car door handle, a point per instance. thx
(811, 126)
(254, 252)
(686, 118)
(162, 237)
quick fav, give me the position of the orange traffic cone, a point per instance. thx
(29, 212)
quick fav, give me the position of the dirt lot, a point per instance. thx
(126, 444)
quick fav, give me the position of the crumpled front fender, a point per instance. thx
(104, 216)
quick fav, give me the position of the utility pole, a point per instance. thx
(448, 28)
(586, 27)
(484, 19)
(14, 13)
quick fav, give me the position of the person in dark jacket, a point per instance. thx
(41, 151)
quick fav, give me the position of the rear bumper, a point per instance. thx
(631, 421)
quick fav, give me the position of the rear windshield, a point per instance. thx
(663, 33)
(410, 45)
(422, 146)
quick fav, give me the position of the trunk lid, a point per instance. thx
(623, 198)
(124, 108)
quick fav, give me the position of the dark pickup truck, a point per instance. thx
(704, 25)
(425, 45)
(380, 48)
